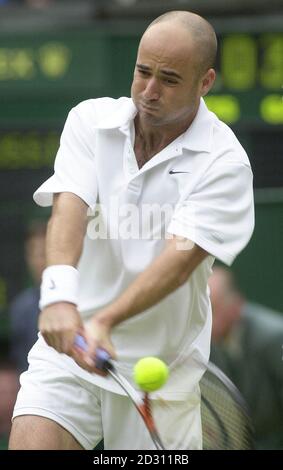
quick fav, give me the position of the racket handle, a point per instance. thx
(103, 361)
(80, 342)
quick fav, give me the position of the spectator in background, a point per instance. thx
(24, 308)
(247, 341)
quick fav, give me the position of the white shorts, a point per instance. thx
(91, 413)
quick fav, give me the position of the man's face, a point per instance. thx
(167, 84)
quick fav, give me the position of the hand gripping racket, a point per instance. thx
(226, 424)
(142, 403)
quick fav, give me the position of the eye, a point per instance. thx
(144, 73)
(170, 81)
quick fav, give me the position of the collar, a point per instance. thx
(198, 136)
(120, 118)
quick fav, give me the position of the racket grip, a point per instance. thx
(102, 361)
(80, 342)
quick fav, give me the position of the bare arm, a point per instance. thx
(66, 230)
(59, 322)
(169, 270)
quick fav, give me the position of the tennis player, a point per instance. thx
(147, 192)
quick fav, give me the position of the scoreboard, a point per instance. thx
(249, 87)
(59, 68)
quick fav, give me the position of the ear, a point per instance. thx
(208, 81)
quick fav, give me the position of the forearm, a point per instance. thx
(66, 230)
(168, 272)
(59, 319)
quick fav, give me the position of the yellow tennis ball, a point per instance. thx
(150, 373)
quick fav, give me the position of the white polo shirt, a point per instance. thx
(202, 182)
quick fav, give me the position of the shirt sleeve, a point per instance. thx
(74, 169)
(219, 214)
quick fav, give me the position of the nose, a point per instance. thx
(151, 91)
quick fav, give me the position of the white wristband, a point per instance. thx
(59, 284)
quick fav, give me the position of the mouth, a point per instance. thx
(148, 108)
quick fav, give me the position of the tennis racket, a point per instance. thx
(226, 424)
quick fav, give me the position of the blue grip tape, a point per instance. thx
(102, 356)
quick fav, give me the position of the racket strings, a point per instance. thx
(225, 421)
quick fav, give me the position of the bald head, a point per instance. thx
(201, 32)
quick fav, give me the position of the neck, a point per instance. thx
(155, 138)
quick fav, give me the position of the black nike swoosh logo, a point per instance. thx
(172, 172)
